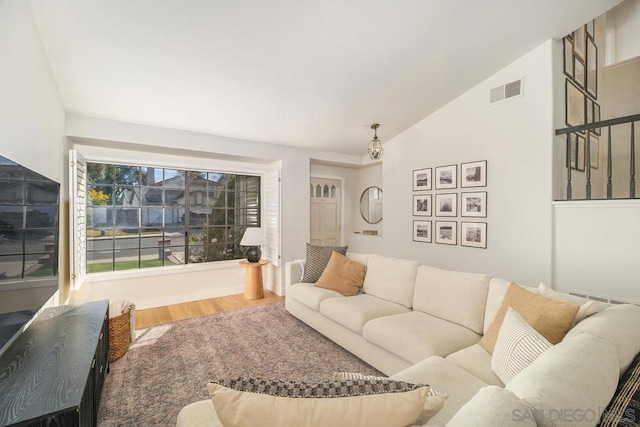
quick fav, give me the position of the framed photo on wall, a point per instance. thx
(446, 177)
(580, 147)
(594, 151)
(579, 72)
(422, 205)
(591, 28)
(473, 234)
(592, 68)
(473, 174)
(474, 204)
(579, 42)
(422, 179)
(447, 204)
(572, 157)
(589, 110)
(422, 231)
(568, 57)
(575, 105)
(596, 117)
(446, 232)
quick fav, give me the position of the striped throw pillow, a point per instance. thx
(517, 346)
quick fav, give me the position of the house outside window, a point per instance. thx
(142, 216)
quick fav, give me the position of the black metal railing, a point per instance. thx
(588, 129)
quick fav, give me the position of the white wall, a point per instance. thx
(31, 111)
(597, 248)
(624, 21)
(515, 138)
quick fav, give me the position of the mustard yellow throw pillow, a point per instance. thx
(551, 318)
(342, 275)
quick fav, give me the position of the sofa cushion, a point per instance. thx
(414, 336)
(551, 318)
(571, 383)
(518, 345)
(619, 326)
(451, 295)
(309, 295)
(446, 377)
(266, 403)
(353, 312)
(505, 410)
(317, 260)
(477, 361)
(342, 275)
(391, 279)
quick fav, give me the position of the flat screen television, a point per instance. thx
(29, 246)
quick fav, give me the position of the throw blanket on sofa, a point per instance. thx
(624, 408)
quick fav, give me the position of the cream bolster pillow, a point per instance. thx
(360, 403)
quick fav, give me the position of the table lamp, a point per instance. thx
(253, 238)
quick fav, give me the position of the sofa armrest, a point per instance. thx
(293, 272)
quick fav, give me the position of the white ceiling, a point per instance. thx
(310, 73)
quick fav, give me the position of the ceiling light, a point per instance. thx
(375, 146)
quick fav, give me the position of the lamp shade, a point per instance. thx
(253, 236)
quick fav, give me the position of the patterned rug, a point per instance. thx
(168, 366)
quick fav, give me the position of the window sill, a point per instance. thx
(161, 271)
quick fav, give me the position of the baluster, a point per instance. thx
(609, 167)
(587, 164)
(568, 156)
(632, 179)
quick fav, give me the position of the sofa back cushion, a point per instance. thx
(493, 406)
(391, 279)
(452, 295)
(571, 383)
(497, 290)
(619, 326)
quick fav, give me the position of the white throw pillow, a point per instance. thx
(432, 404)
(257, 402)
(517, 346)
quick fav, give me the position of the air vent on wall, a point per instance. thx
(507, 91)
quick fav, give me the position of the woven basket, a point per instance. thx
(119, 335)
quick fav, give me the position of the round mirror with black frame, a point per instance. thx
(371, 205)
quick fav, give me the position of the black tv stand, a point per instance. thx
(53, 373)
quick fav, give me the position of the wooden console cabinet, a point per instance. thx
(53, 374)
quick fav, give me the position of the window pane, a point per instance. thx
(127, 239)
(100, 195)
(39, 241)
(99, 261)
(12, 192)
(99, 217)
(128, 175)
(150, 258)
(127, 196)
(11, 243)
(174, 215)
(150, 176)
(174, 178)
(42, 193)
(126, 217)
(151, 196)
(39, 216)
(197, 254)
(39, 265)
(197, 236)
(216, 198)
(152, 218)
(174, 196)
(176, 257)
(11, 217)
(11, 265)
(98, 173)
(127, 259)
(10, 170)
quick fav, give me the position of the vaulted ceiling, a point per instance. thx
(309, 73)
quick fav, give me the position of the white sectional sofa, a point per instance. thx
(421, 324)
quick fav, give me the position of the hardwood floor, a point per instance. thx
(171, 313)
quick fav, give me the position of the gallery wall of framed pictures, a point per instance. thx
(444, 194)
(581, 94)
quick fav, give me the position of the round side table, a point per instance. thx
(253, 279)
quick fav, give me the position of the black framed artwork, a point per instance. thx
(592, 69)
(574, 104)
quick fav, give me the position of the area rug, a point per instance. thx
(168, 366)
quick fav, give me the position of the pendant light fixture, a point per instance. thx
(375, 146)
